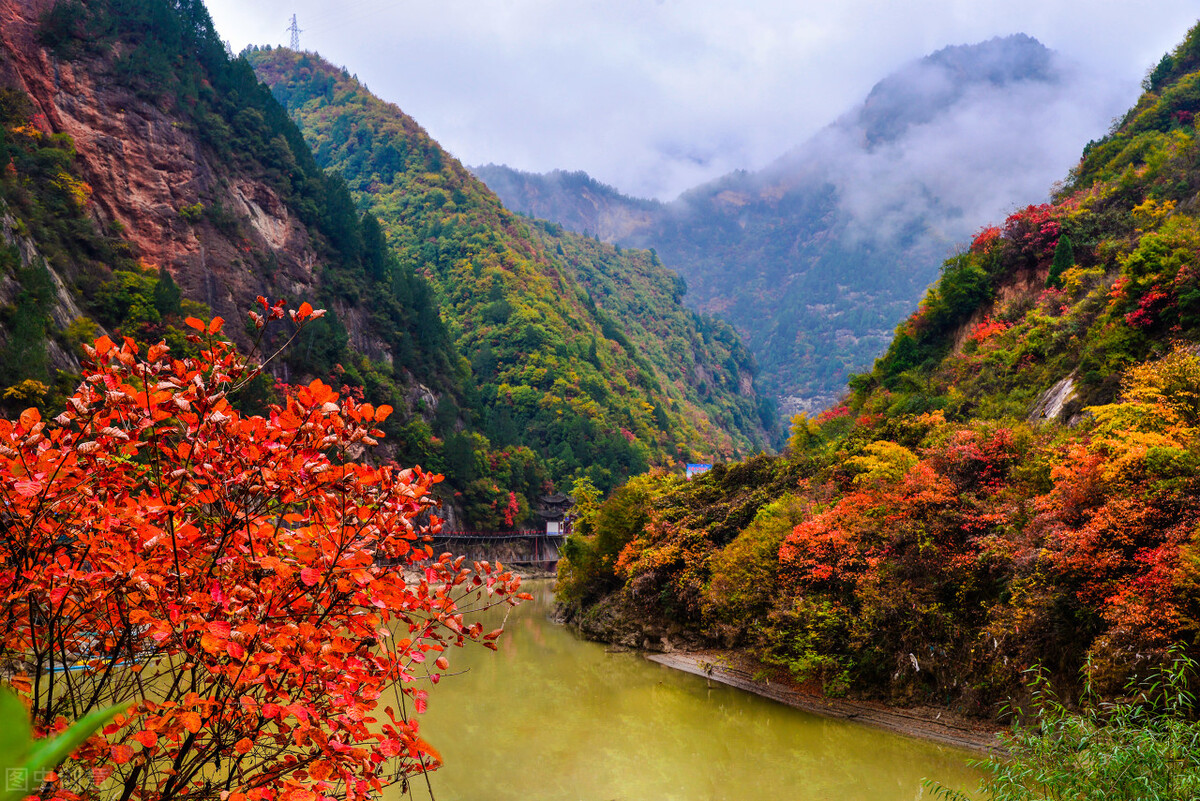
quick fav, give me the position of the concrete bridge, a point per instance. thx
(534, 548)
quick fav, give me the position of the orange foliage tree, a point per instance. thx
(238, 582)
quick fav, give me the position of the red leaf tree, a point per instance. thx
(261, 601)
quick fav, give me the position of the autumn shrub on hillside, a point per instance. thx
(1001, 546)
(925, 558)
(904, 559)
(745, 574)
(588, 568)
(236, 583)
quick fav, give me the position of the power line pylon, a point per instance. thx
(294, 30)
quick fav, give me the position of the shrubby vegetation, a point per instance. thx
(236, 585)
(1146, 746)
(170, 57)
(941, 536)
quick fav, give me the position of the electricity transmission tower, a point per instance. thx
(295, 31)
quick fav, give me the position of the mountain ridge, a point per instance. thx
(150, 176)
(815, 257)
(433, 218)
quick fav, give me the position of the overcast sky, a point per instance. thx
(655, 96)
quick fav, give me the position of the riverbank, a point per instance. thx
(616, 620)
(927, 723)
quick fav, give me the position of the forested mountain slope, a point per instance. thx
(149, 176)
(817, 256)
(562, 363)
(1015, 483)
(572, 199)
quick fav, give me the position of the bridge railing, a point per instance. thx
(496, 535)
(534, 547)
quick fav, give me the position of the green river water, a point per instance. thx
(551, 717)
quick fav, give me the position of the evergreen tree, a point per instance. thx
(25, 356)
(167, 298)
(375, 249)
(1064, 259)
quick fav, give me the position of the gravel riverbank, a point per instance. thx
(928, 723)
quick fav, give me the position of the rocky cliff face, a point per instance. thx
(63, 309)
(146, 166)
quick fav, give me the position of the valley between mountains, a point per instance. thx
(264, 342)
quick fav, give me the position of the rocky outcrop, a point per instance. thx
(616, 619)
(145, 163)
(1056, 403)
(64, 309)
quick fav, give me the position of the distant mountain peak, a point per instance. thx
(1018, 56)
(921, 90)
(815, 257)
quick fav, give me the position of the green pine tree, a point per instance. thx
(1064, 259)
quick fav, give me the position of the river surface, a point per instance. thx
(551, 717)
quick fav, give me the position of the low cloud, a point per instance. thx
(997, 144)
(654, 97)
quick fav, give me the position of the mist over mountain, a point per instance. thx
(573, 199)
(816, 257)
(916, 93)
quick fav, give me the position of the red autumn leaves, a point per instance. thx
(237, 580)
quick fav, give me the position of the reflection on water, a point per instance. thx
(551, 717)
